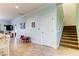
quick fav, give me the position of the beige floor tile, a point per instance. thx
(31, 49)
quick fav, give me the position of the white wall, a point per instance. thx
(45, 29)
(69, 14)
(59, 22)
(2, 23)
(77, 15)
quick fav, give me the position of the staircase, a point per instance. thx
(69, 37)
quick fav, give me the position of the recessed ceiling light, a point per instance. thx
(16, 6)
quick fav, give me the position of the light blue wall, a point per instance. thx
(77, 16)
(45, 20)
(59, 25)
(2, 23)
(50, 22)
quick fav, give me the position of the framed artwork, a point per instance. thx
(33, 24)
(22, 25)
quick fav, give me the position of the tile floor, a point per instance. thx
(32, 49)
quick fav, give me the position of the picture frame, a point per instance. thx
(22, 25)
(33, 24)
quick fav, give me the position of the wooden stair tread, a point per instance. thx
(69, 37)
(72, 36)
(70, 46)
(70, 30)
(69, 33)
(70, 42)
(70, 27)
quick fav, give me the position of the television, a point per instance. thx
(9, 27)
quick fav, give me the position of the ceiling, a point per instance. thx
(8, 11)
